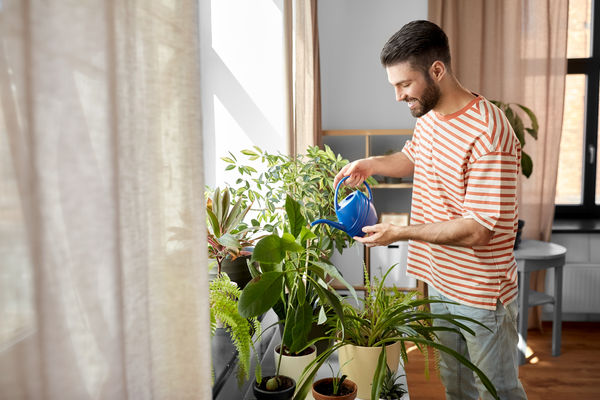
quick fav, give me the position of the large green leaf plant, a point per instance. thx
(294, 280)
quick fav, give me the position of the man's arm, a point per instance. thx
(464, 232)
(396, 165)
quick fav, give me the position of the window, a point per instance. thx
(577, 192)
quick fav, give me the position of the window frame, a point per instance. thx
(590, 67)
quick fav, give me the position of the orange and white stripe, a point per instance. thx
(466, 166)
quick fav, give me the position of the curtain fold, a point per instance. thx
(307, 104)
(101, 156)
(515, 51)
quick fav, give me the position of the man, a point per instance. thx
(465, 158)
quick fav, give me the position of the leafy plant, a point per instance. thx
(389, 316)
(227, 234)
(391, 389)
(516, 122)
(267, 179)
(293, 280)
(223, 300)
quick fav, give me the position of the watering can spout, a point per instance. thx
(334, 224)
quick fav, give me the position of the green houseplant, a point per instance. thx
(387, 320)
(511, 110)
(228, 236)
(336, 386)
(391, 389)
(516, 122)
(223, 300)
(293, 280)
(267, 179)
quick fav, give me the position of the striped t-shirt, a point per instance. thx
(466, 165)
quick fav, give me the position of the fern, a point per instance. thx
(223, 298)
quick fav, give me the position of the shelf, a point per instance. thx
(367, 132)
(393, 186)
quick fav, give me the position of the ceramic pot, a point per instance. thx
(323, 386)
(236, 270)
(261, 393)
(359, 364)
(293, 366)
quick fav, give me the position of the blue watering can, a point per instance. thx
(354, 212)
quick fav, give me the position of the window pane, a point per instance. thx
(580, 22)
(570, 163)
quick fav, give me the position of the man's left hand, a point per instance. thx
(379, 235)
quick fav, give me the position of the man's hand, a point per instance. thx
(380, 235)
(358, 171)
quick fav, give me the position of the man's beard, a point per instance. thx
(429, 99)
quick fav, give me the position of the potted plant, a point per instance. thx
(292, 279)
(381, 328)
(223, 298)
(391, 389)
(267, 179)
(334, 387)
(516, 122)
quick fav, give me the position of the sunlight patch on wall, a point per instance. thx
(234, 141)
(244, 35)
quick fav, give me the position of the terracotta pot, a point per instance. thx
(261, 393)
(359, 364)
(320, 387)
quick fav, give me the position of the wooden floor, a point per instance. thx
(575, 374)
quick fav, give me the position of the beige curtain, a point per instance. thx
(307, 104)
(100, 154)
(515, 51)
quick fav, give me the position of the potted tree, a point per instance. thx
(381, 328)
(292, 279)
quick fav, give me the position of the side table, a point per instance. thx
(534, 255)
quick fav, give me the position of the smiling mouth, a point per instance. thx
(412, 103)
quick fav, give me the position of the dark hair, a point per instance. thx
(419, 42)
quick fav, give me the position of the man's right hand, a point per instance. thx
(358, 171)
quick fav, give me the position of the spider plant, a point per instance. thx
(388, 316)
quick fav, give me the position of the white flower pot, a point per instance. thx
(359, 363)
(294, 366)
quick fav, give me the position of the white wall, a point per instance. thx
(242, 80)
(354, 87)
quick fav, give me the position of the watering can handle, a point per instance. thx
(335, 199)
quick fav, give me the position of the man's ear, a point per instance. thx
(437, 70)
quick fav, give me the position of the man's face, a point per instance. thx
(414, 87)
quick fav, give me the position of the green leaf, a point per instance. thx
(322, 316)
(249, 153)
(334, 273)
(227, 160)
(301, 326)
(288, 243)
(268, 250)
(306, 234)
(229, 167)
(330, 298)
(295, 217)
(214, 223)
(534, 121)
(380, 371)
(229, 241)
(526, 164)
(260, 294)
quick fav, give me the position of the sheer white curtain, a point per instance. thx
(100, 154)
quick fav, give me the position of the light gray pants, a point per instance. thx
(495, 352)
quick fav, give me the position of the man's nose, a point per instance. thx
(400, 96)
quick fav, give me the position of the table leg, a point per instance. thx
(523, 315)
(557, 321)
